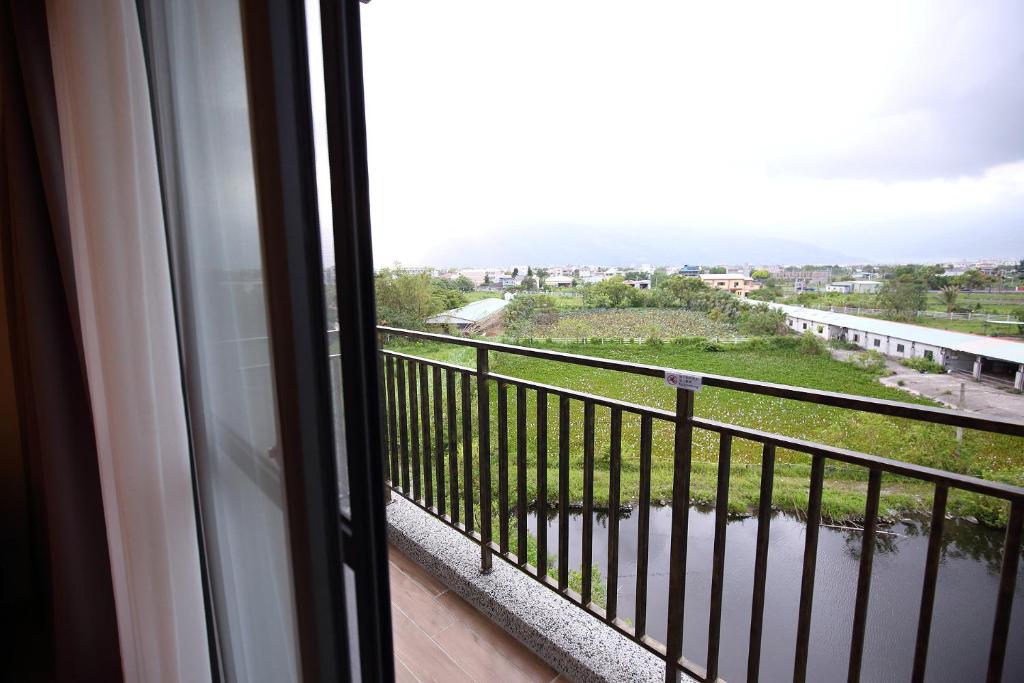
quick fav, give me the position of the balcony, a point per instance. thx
(453, 431)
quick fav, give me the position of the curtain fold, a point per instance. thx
(70, 629)
(129, 339)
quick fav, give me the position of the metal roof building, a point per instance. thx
(954, 350)
(470, 314)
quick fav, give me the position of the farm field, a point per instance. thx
(990, 302)
(991, 456)
(633, 323)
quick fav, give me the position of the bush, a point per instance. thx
(811, 345)
(922, 364)
(872, 361)
(761, 321)
(843, 344)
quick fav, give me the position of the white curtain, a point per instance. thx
(124, 290)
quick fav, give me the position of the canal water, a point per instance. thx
(964, 603)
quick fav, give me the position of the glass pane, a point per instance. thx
(199, 86)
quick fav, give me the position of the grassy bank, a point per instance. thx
(982, 454)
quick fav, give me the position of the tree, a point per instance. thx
(760, 274)
(610, 293)
(529, 283)
(464, 284)
(515, 272)
(903, 296)
(1018, 313)
(487, 278)
(717, 270)
(529, 271)
(949, 296)
(975, 279)
(526, 308)
(405, 299)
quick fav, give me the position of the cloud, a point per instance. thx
(817, 123)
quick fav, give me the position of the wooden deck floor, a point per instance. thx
(440, 637)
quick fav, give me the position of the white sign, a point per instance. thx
(682, 380)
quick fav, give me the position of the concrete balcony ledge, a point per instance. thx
(575, 643)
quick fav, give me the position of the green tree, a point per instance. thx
(526, 308)
(1018, 313)
(717, 270)
(529, 271)
(902, 296)
(529, 283)
(405, 299)
(464, 284)
(975, 279)
(760, 274)
(949, 296)
(515, 272)
(487, 278)
(610, 293)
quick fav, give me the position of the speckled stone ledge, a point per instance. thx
(570, 640)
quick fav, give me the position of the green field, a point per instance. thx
(477, 296)
(988, 455)
(633, 323)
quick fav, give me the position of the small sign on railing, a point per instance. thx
(682, 380)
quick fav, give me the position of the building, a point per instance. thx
(854, 286)
(558, 281)
(639, 284)
(803, 277)
(476, 313)
(509, 281)
(736, 283)
(690, 271)
(987, 357)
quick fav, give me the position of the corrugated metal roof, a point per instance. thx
(999, 349)
(470, 313)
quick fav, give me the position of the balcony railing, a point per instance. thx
(429, 405)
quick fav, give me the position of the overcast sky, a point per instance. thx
(669, 132)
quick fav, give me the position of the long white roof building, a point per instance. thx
(971, 344)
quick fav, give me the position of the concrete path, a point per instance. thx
(945, 388)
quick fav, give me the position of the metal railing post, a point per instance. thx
(680, 522)
(483, 405)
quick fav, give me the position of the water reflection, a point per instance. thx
(964, 608)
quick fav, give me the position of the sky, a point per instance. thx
(586, 131)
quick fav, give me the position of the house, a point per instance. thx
(854, 286)
(558, 281)
(735, 283)
(507, 281)
(639, 284)
(690, 271)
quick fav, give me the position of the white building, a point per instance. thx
(956, 351)
(854, 286)
(558, 281)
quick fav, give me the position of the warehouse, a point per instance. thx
(983, 357)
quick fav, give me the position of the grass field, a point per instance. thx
(988, 455)
(995, 302)
(477, 296)
(634, 323)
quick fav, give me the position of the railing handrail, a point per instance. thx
(880, 406)
(963, 482)
(425, 375)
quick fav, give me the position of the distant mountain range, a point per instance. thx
(634, 245)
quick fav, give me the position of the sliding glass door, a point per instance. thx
(280, 379)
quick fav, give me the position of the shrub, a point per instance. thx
(811, 345)
(872, 361)
(922, 364)
(843, 344)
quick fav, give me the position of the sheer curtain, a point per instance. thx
(128, 334)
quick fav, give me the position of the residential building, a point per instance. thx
(639, 284)
(690, 271)
(558, 281)
(735, 283)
